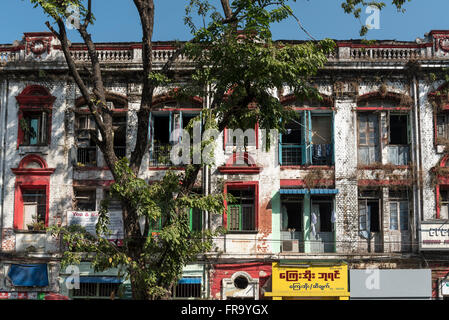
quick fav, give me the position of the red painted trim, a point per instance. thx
(38, 34)
(368, 182)
(327, 101)
(301, 182)
(383, 108)
(30, 179)
(239, 170)
(242, 185)
(384, 46)
(35, 98)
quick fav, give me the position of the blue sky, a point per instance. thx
(117, 21)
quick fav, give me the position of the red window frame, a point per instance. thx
(30, 178)
(34, 99)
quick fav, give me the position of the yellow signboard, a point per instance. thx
(309, 281)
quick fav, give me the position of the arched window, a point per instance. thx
(35, 110)
(32, 190)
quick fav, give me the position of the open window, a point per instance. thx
(162, 125)
(369, 211)
(85, 200)
(399, 139)
(308, 140)
(119, 127)
(35, 112)
(196, 219)
(292, 213)
(322, 208)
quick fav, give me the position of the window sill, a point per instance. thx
(90, 168)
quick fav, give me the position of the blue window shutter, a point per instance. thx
(333, 139)
(170, 123)
(310, 135)
(304, 137)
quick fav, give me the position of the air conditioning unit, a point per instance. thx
(290, 246)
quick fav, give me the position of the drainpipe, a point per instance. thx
(417, 192)
(3, 130)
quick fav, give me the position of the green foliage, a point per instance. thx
(157, 264)
(242, 62)
(57, 9)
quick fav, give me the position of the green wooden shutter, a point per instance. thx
(234, 218)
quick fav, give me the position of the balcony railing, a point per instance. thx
(398, 155)
(160, 155)
(87, 156)
(293, 155)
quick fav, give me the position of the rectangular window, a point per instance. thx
(322, 209)
(443, 126)
(196, 219)
(308, 140)
(369, 149)
(241, 213)
(85, 200)
(399, 211)
(86, 149)
(369, 211)
(34, 206)
(321, 137)
(96, 291)
(292, 214)
(444, 204)
(34, 126)
(187, 287)
(398, 149)
(119, 126)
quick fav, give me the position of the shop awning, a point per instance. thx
(311, 191)
(103, 279)
(196, 280)
(28, 275)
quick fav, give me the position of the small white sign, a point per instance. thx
(445, 287)
(88, 220)
(435, 235)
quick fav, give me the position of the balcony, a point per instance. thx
(87, 156)
(399, 155)
(160, 155)
(295, 155)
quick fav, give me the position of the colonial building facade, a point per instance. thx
(357, 188)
